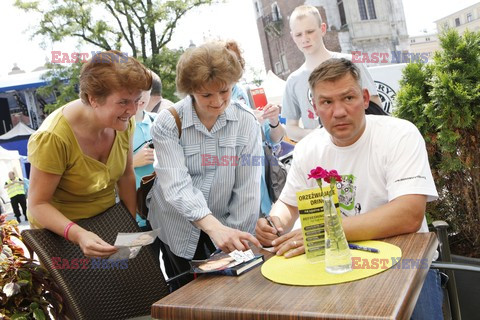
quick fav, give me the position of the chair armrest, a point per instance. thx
(454, 266)
(444, 247)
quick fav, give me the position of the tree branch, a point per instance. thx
(122, 30)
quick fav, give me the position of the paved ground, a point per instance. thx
(10, 216)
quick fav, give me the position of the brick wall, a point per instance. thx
(275, 44)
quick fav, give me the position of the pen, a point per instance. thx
(270, 222)
(357, 247)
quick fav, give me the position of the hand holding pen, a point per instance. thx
(271, 224)
(268, 229)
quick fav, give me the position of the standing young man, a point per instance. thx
(307, 31)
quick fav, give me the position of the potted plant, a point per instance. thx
(26, 289)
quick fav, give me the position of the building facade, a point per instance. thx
(428, 43)
(468, 18)
(424, 46)
(366, 26)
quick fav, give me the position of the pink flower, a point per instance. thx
(332, 176)
(317, 173)
(328, 176)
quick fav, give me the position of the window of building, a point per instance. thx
(427, 39)
(445, 25)
(371, 10)
(276, 15)
(283, 59)
(469, 17)
(367, 9)
(363, 9)
(412, 40)
(341, 11)
(278, 67)
(258, 9)
(457, 22)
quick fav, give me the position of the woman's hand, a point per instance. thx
(290, 244)
(91, 244)
(143, 157)
(226, 238)
(229, 239)
(271, 112)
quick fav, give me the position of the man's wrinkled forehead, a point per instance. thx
(346, 85)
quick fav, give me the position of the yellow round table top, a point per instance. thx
(298, 271)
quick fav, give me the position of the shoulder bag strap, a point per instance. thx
(177, 120)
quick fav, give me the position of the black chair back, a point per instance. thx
(97, 289)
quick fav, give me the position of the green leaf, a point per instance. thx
(24, 274)
(22, 283)
(19, 316)
(38, 314)
(33, 306)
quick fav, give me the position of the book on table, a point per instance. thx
(233, 264)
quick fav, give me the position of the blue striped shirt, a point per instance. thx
(190, 184)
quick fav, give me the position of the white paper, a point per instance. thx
(242, 256)
(136, 239)
(129, 244)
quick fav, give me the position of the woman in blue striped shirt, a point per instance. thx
(207, 193)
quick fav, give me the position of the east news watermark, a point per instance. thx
(390, 57)
(212, 160)
(382, 263)
(96, 56)
(89, 263)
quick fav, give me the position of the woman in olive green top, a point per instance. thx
(83, 151)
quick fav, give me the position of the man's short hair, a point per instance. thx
(332, 70)
(304, 10)
(156, 85)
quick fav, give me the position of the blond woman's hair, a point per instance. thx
(212, 63)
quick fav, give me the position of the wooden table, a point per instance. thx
(389, 295)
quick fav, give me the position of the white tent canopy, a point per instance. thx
(22, 81)
(20, 129)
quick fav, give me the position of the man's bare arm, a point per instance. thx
(401, 215)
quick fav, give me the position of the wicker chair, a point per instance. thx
(97, 293)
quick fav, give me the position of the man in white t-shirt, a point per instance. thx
(307, 31)
(386, 178)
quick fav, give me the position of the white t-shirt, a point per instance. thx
(297, 100)
(389, 160)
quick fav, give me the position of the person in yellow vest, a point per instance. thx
(16, 193)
